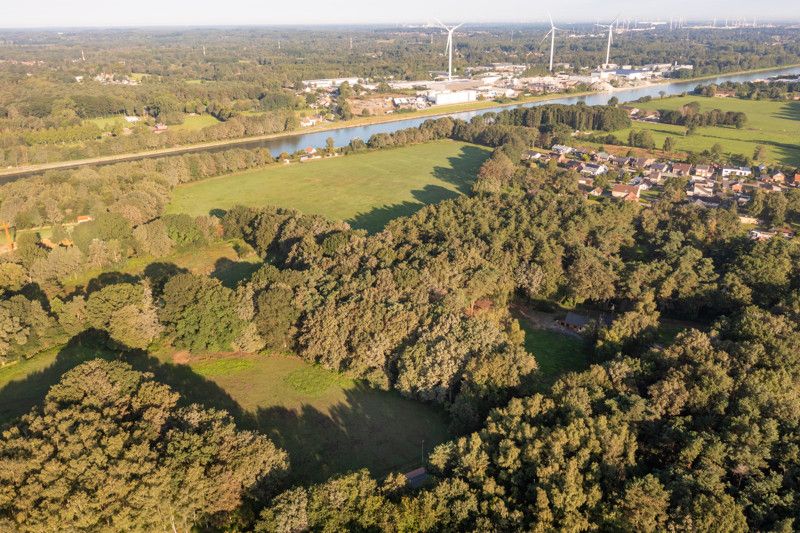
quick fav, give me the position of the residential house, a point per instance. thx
(577, 166)
(603, 157)
(701, 190)
(531, 155)
(660, 167)
(563, 150)
(681, 169)
(644, 162)
(620, 190)
(704, 171)
(779, 177)
(742, 172)
(760, 235)
(796, 179)
(655, 177)
(619, 161)
(593, 169)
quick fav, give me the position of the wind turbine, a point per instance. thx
(610, 37)
(449, 49)
(552, 34)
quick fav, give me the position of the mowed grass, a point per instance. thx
(195, 123)
(366, 190)
(555, 353)
(775, 125)
(328, 423)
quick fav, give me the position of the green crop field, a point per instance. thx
(367, 190)
(776, 125)
(327, 423)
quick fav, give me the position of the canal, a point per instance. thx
(342, 136)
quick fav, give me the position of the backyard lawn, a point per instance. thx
(366, 190)
(775, 125)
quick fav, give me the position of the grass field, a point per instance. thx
(329, 424)
(367, 190)
(555, 353)
(195, 123)
(105, 123)
(219, 260)
(776, 125)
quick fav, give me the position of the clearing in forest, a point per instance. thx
(367, 190)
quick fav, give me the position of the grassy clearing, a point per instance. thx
(555, 353)
(195, 123)
(106, 123)
(367, 190)
(219, 259)
(776, 125)
(329, 424)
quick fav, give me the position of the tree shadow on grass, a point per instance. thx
(377, 430)
(230, 272)
(376, 219)
(463, 169)
(19, 396)
(371, 429)
(791, 111)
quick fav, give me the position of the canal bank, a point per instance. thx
(342, 136)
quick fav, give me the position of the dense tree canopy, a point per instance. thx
(110, 450)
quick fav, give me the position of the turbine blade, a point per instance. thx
(551, 20)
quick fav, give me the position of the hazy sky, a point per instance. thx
(65, 13)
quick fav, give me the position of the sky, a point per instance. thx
(104, 13)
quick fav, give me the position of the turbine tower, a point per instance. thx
(610, 37)
(449, 49)
(552, 35)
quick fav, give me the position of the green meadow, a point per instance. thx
(328, 423)
(366, 190)
(775, 125)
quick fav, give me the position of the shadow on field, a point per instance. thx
(463, 169)
(460, 174)
(791, 111)
(18, 397)
(375, 219)
(371, 429)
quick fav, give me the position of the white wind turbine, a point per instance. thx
(552, 35)
(449, 49)
(610, 38)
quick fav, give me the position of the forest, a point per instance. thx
(698, 432)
